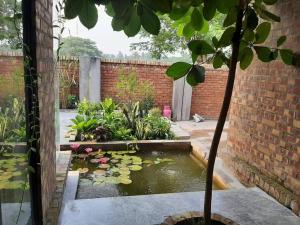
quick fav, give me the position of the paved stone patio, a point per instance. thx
(245, 206)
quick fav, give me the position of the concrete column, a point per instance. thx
(182, 99)
(89, 79)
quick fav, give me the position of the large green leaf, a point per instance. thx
(218, 61)
(248, 35)
(209, 9)
(264, 53)
(120, 7)
(197, 19)
(246, 58)
(178, 70)
(226, 38)
(72, 8)
(287, 56)
(200, 47)
(262, 32)
(281, 40)
(196, 75)
(150, 21)
(88, 15)
(164, 6)
(252, 19)
(188, 30)
(231, 17)
(270, 2)
(178, 12)
(134, 25)
(223, 6)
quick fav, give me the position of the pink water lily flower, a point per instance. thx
(74, 147)
(103, 160)
(88, 150)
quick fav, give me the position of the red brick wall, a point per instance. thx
(46, 92)
(208, 97)
(11, 80)
(265, 112)
(155, 73)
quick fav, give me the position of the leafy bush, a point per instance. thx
(131, 89)
(88, 109)
(84, 127)
(72, 101)
(159, 127)
(107, 121)
(12, 120)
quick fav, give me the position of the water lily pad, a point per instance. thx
(124, 172)
(135, 167)
(82, 156)
(111, 180)
(99, 172)
(104, 166)
(115, 170)
(83, 170)
(99, 155)
(132, 152)
(148, 161)
(114, 161)
(124, 180)
(94, 161)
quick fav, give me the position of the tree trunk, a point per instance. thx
(222, 118)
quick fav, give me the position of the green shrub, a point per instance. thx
(12, 120)
(72, 102)
(107, 121)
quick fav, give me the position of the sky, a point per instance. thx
(107, 40)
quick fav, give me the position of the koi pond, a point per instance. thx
(125, 173)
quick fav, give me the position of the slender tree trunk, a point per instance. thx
(222, 117)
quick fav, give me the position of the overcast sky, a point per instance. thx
(108, 41)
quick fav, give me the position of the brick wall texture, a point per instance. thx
(45, 70)
(206, 99)
(264, 120)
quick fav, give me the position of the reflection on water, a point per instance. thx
(162, 172)
(14, 187)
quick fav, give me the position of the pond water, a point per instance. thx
(125, 173)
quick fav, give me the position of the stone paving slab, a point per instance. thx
(245, 206)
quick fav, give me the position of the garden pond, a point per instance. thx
(126, 173)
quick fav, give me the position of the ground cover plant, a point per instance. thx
(106, 121)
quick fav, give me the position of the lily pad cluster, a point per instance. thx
(112, 167)
(12, 167)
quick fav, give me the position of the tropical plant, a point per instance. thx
(159, 127)
(88, 108)
(132, 114)
(247, 29)
(72, 101)
(84, 127)
(12, 120)
(131, 89)
(108, 106)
